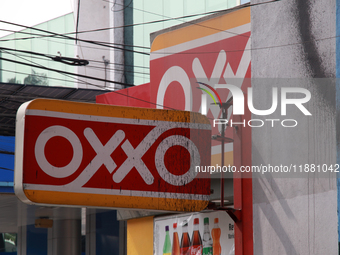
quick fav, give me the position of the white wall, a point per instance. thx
(98, 15)
(295, 215)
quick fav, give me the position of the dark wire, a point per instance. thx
(80, 81)
(91, 60)
(105, 44)
(144, 23)
(124, 7)
(4, 168)
(71, 38)
(99, 78)
(79, 75)
(67, 73)
(40, 36)
(50, 59)
(49, 78)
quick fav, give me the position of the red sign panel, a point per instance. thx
(214, 51)
(98, 155)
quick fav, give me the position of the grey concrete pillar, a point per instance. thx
(65, 237)
(90, 232)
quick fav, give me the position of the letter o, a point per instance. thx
(174, 73)
(177, 180)
(39, 151)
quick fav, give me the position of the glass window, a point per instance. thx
(152, 16)
(41, 43)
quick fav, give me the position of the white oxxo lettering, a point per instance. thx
(104, 151)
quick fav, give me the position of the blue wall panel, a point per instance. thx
(107, 233)
(6, 163)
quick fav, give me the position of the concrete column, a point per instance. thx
(91, 231)
(22, 229)
(117, 38)
(65, 237)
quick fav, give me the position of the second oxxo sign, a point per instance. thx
(83, 154)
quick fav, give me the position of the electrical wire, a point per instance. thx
(210, 52)
(91, 84)
(92, 60)
(68, 73)
(64, 36)
(122, 94)
(124, 7)
(251, 49)
(90, 67)
(25, 95)
(79, 81)
(51, 57)
(53, 36)
(4, 168)
(49, 78)
(29, 61)
(117, 70)
(71, 38)
(58, 79)
(193, 52)
(61, 72)
(194, 15)
(102, 79)
(35, 54)
(183, 17)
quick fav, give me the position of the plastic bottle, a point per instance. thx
(167, 242)
(207, 241)
(216, 234)
(185, 240)
(175, 242)
(196, 241)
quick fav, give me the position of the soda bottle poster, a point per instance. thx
(210, 233)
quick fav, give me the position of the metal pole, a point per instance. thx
(222, 155)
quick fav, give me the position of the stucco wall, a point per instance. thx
(295, 39)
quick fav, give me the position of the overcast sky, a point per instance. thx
(31, 12)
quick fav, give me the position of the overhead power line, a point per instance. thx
(98, 78)
(106, 44)
(64, 60)
(50, 56)
(49, 78)
(42, 56)
(67, 73)
(71, 38)
(40, 36)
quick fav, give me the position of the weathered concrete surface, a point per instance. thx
(295, 39)
(105, 62)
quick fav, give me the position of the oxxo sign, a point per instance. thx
(212, 51)
(109, 156)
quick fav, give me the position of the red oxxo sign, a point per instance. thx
(213, 51)
(110, 156)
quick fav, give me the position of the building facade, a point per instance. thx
(262, 46)
(91, 231)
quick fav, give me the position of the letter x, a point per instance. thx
(135, 157)
(103, 156)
